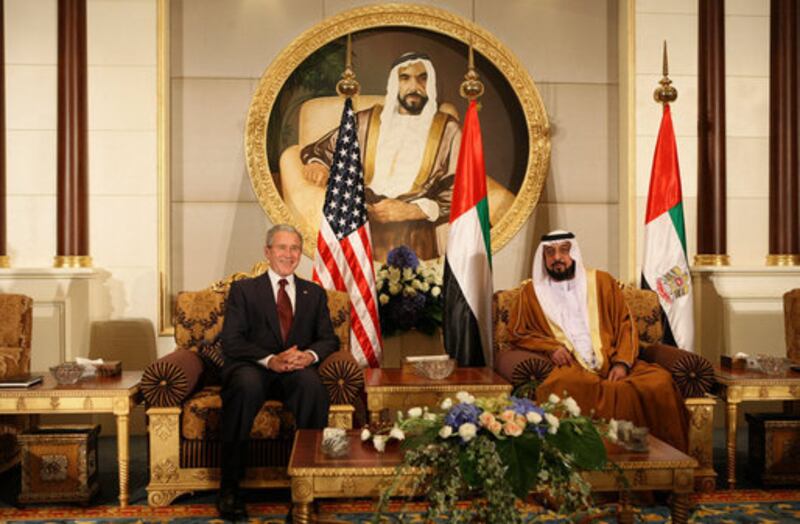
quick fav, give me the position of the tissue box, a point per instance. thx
(109, 368)
(59, 464)
(729, 362)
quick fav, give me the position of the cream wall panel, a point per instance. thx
(213, 240)
(552, 37)
(122, 163)
(31, 93)
(31, 230)
(31, 30)
(106, 23)
(594, 225)
(123, 230)
(235, 38)
(513, 263)
(50, 335)
(209, 120)
(680, 32)
(671, 7)
(748, 223)
(747, 46)
(747, 7)
(583, 162)
(747, 106)
(122, 98)
(31, 162)
(748, 167)
(127, 292)
(463, 8)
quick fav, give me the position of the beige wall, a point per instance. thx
(220, 49)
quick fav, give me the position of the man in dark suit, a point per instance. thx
(277, 328)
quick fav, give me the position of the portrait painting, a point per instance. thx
(409, 112)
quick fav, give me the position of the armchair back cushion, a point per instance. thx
(791, 323)
(15, 334)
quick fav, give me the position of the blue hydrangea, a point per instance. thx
(523, 406)
(402, 257)
(461, 414)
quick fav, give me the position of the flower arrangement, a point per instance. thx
(409, 293)
(495, 451)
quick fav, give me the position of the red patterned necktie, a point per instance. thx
(284, 309)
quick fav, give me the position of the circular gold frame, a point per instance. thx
(398, 15)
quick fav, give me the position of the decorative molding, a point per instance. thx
(783, 260)
(712, 260)
(72, 261)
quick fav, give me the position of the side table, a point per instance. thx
(401, 389)
(738, 386)
(115, 395)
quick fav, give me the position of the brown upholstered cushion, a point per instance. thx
(202, 415)
(172, 378)
(339, 308)
(198, 324)
(501, 307)
(14, 361)
(15, 333)
(646, 310)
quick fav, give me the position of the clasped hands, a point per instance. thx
(291, 359)
(562, 357)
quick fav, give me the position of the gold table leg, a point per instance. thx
(301, 513)
(730, 421)
(680, 508)
(123, 457)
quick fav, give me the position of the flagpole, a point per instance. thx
(471, 87)
(348, 86)
(665, 93)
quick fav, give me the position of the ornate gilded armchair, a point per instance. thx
(15, 359)
(181, 391)
(693, 374)
(791, 323)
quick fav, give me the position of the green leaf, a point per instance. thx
(522, 456)
(469, 470)
(579, 438)
(418, 440)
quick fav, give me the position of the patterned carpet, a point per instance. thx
(743, 506)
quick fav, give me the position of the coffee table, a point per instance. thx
(737, 386)
(401, 389)
(115, 395)
(367, 473)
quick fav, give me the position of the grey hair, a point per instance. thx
(285, 228)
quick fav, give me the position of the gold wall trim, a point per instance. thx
(398, 15)
(712, 260)
(61, 261)
(5, 261)
(165, 326)
(786, 259)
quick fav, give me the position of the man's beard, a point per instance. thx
(413, 109)
(566, 274)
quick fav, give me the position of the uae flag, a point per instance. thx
(468, 261)
(665, 268)
(344, 246)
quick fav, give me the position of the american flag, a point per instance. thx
(344, 247)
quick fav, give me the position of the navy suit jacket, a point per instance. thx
(251, 329)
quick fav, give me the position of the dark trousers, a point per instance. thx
(244, 391)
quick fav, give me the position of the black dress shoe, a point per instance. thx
(230, 505)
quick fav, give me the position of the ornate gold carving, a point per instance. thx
(62, 261)
(302, 489)
(639, 477)
(163, 497)
(398, 15)
(55, 402)
(164, 426)
(165, 471)
(787, 259)
(763, 392)
(21, 404)
(206, 474)
(87, 404)
(712, 260)
(5, 261)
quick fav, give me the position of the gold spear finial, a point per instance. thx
(665, 93)
(471, 87)
(348, 85)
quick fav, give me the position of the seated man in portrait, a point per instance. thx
(409, 151)
(579, 317)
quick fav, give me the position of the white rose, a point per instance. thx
(409, 291)
(365, 434)
(445, 432)
(553, 398)
(429, 416)
(383, 274)
(447, 403)
(572, 406)
(408, 273)
(397, 433)
(380, 443)
(552, 422)
(465, 398)
(384, 298)
(533, 417)
(467, 431)
(395, 288)
(436, 291)
(613, 427)
(424, 287)
(415, 412)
